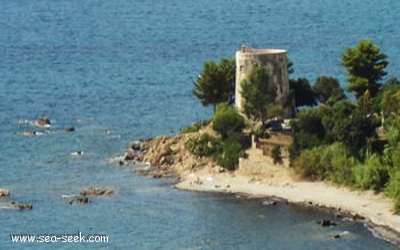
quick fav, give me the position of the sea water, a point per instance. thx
(121, 70)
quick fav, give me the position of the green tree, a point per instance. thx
(258, 94)
(227, 120)
(216, 83)
(307, 131)
(349, 124)
(390, 103)
(365, 66)
(327, 90)
(230, 153)
(393, 85)
(303, 93)
(289, 65)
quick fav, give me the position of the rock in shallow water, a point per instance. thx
(79, 200)
(4, 192)
(15, 206)
(43, 122)
(96, 191)
(326, 223)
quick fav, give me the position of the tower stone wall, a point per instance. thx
(275, 61)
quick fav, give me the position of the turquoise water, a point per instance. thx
(127, 67)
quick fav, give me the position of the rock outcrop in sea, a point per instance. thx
(166, 156)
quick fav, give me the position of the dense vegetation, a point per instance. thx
(355, 143)
(228, 147)
(336, 138)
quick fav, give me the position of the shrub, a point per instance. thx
(393, 189)
(232, 150)
(203, 145)
(373, 174)
(308, 132)
(340, 163)
(195, 127)
(227, 120)
(259, 132)
(225, 152)
(397, 205)
(326, 163)
(276, 154)
(308, 164)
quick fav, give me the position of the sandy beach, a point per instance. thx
(257, 176)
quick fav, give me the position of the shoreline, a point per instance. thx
(375, 210)
(258, 177)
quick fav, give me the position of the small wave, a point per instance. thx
(68, 196)
(31, 133)
(76, 153)
(384, 234)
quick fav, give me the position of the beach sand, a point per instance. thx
(257, 176)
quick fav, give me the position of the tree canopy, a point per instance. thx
(304, 95)
(365, 66)
(227, 120)
(216, 83)
(327, 90)
(258, 94)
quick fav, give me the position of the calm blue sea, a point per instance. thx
(120, 70)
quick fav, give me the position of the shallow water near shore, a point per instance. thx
(122, 70)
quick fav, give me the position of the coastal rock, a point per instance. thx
(129, 157)
(326, 223)
(15, 206)
(142, 172)
(4, 192)
(269, 203)
(137, 145)
(22, 206)
(165, 150)
(357, 217)
(166, 156)
(96, 191)
(158, 175)
(43, 122)
(335, 236)
(79, 200)
(153, 172)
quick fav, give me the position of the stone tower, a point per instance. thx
(275, 61)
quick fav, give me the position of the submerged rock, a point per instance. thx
(96, 191)
(70, 129)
